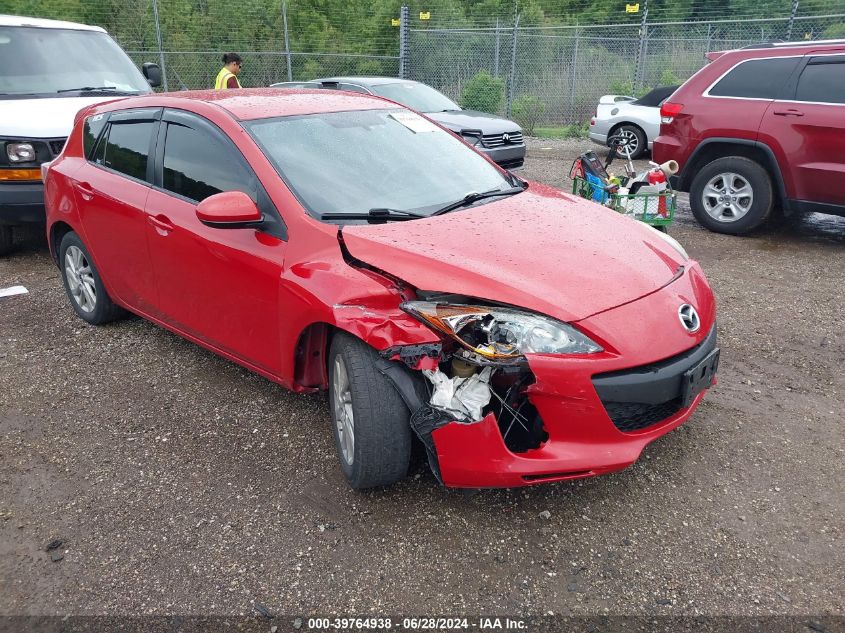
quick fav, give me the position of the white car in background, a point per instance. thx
(637, 121)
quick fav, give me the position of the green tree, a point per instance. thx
(484, 92)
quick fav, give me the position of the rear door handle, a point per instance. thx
(161, 223)
(788, 112)
(85, 190)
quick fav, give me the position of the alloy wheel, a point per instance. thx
(343, 415)
(727, 197)
(80, 279)
(631, 143)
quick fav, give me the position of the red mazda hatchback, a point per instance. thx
(342, 242)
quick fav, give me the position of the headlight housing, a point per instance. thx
(501, 334)
(672, 242)
(20, 152)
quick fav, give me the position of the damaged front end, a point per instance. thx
(479, 374)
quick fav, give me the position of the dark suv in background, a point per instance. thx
(758, 128)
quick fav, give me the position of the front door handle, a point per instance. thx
(788, 112)
(85, 190)
(161, 223)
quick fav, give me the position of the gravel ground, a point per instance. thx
(180, 483)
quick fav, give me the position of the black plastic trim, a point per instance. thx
(22, 203)
(806, 206)
(652, 384)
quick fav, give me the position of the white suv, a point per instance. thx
(58, 69)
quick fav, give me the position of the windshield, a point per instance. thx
(351, 162)
(418, 97)
(42, 62)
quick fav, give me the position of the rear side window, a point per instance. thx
(127, 148)
(91, 132)
(756, 79)
(197, 165)
(822, 81)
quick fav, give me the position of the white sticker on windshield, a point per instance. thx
(413, 122)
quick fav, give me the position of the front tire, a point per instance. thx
(370, 419)
(732, 195)
(83, 285)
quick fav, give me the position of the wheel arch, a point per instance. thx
(311, 352)
(715, 148)
(616, 126)
(57, 232)
(310, 362)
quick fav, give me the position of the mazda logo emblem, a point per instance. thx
(506, 138)
(689, 318)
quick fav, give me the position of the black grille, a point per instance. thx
(56, 146)
(497, 140)
(634, 416)
(639, 397)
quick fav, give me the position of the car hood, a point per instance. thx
(542, 250)
(458, 120)
(42, 118)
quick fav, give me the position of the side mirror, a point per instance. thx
(229, 210)
(152, 72)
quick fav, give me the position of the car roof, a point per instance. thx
(366, 81)
(778, 49)
(260, 103)
(19, 20)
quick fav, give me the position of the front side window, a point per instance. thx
(127, 148)
(198, 165)
(756, 79)
(40, 62)
(822, 81)
(352, 162)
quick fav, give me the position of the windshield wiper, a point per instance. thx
(377, 214)
(475, 197)
(90, 89)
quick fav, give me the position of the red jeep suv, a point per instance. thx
(756, 128)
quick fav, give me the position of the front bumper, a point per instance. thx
(583, 439)
(507, 156)
(22, 203)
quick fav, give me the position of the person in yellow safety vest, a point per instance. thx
(228, 75)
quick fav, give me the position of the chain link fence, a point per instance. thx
(278, 42)
(538, 68)
(555, 75)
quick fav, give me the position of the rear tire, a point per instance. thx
(732, 195)
(6, 239)
(369, 418)
(636, 138)
(83, 285)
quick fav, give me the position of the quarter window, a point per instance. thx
(756, 79)
(197, 165)
(127, 148)
(822, 82)
(93, 126)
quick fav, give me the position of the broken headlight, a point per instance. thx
(501, 333)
